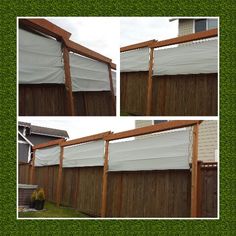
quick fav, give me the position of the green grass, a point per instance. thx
(53, 212)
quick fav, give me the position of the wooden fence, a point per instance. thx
(50, 100)
(172, 95)
(60, 100)
(159, 193)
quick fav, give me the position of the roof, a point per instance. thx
(24, 124)
(182, 18)
(44, 130)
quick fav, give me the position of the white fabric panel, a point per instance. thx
(135, 60)
(114, 81)
(87, 154)
(156, 152)
(40, 59)
(47, 156)
(194, 58)
(88, 75)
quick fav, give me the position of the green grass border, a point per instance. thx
(11, 9)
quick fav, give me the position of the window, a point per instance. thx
(159, 121)
(205, 24)
(200, 25)
(212, 23)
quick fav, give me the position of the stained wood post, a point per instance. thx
(59, 178)
(199, 188)
(104, 182)
(194, 182)
(149, 84)
(68, 83)
(112, 90)
(32, 169)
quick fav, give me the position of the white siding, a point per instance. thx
(207, 140)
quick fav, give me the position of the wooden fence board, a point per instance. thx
(164, 193)
(209, 192)
(178, 95)
(133, 92)
(50, 100)
(42, 100)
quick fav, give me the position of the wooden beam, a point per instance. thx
(152, 129)
(59, 178)
(186, 38)
(113, 66)
(112, 90)
(48, 144)
(85, 139)
(68, 83)
(194, 178)
(149, 83)
(137, 45)
(45, 27)
(104, 182)
(77, 48)
(32, 169)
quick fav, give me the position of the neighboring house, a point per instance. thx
(194, 25)
(30, 135)
(208, 148)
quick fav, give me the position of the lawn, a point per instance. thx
(51, 211)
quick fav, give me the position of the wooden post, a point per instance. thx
(59, 178)
(194, 182)
(32, 169)
(104, 182)
(112, 90)
(149, 84)
(68, 83)
(199, 189)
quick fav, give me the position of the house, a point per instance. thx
(208, 148)
(195, 25)
(30, 135)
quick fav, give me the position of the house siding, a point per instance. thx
(207, 141)
(185, 26)
(23, 150)
(37, 139)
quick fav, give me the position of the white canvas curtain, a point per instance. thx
(192, 58)
(88, 75)
(114, 81)
(87, 154)
(40, 59)
(156, 152)
(134, 60)
(47, 156)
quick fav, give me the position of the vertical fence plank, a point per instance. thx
(68, 83)
(149, 86)
(59, 179)
(112, 90)
(194, 184)
(104, 182)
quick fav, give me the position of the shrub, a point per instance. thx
(40, 194)
(33, 196)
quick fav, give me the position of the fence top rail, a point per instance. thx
(55, 31)
(181, 39)
(86, 139)
(137, 45)
(48, 144)
(186, 38)
(152, 129)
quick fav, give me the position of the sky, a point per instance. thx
(82, 126)
(106, 35)
(138, 29)
(100, 34)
